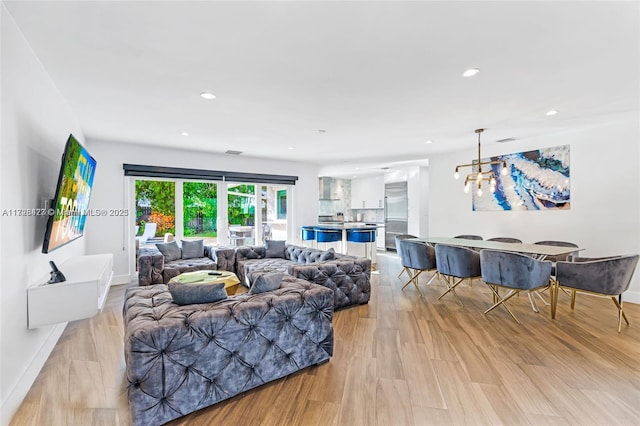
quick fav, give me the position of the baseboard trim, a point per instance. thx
(16, 395)
(631, 297)
(121, 279)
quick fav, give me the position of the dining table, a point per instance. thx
(541, 251)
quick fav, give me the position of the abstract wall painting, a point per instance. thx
(537, 180)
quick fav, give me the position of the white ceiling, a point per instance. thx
(380, 77)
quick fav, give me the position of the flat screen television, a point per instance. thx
(68, 213)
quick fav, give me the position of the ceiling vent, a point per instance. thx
(232, 152)
(506, 140)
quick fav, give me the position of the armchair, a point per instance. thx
(606, 277)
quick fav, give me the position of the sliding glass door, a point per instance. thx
(155, 203)
(200, 211)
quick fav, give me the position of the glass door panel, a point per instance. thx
(274, 222)
(200, 211)
(155, 211)
(241, 212)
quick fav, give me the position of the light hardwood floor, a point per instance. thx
(400, 360)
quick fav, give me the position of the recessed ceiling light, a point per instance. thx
(355, 176)
(208, 95)
(552, 112)
(471, 72)
(429, 142)
(290, 147)
(184, 134)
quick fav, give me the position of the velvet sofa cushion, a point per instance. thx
(192, 249)
(189, 294)
(171, 251)
(274, 248)
(265, 281)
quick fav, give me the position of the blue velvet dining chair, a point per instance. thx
(417, 257)
(456, 264)
(399, 238)
(506, 240)
(607, 277)
(469, 237)
(515, 272)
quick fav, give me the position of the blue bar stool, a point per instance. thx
(366, 236)
(307, 233)
(328, 235)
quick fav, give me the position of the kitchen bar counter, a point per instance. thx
(357, 247)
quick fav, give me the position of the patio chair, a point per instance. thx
(149, 232)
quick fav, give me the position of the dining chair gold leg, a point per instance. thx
(532, 302)
(501, 301)
(413, 279)
(410, 279)
(573, 299)
(452, 288)
(554, 297)
(433, 277)
(621, 313)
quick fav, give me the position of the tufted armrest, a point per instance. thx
(150, 266)
(249, 253)
(180, 359)
(350, 279)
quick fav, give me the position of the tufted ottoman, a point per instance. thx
(184, 358)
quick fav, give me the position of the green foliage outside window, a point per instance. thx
(200, 208)
(241, 208)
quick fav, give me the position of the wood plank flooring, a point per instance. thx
(400, 360)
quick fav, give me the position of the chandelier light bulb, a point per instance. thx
(492, 182)
(492, 188)
(479, 176)
(467, 187)
(504, 171)
(456, 175)
(479, 192)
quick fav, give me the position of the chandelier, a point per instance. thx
(477, 175)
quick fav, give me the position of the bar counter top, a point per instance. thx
(348, 225)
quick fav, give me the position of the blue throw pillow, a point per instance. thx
(265, 281)
(170, 251)
(189, 294)
(274, 248)
(192, 249)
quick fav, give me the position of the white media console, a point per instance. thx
(82, 295)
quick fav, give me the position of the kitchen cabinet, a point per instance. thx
(367, 193)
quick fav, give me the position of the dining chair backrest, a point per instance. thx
(557, 244)
(417, 255)
(469, 237)
(505, 240)
(458, 262)
(514, 270)
(402, 237)
(609, 276)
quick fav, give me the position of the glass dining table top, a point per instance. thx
(537, 249)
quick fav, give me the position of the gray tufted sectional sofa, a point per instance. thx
(349, 277)
(152, 268)
(183, 358)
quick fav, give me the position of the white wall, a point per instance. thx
(36, 121)
(605, 194)
(112, 191)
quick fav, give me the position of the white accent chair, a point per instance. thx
(149, 232)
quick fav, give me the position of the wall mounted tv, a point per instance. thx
(68, 212)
